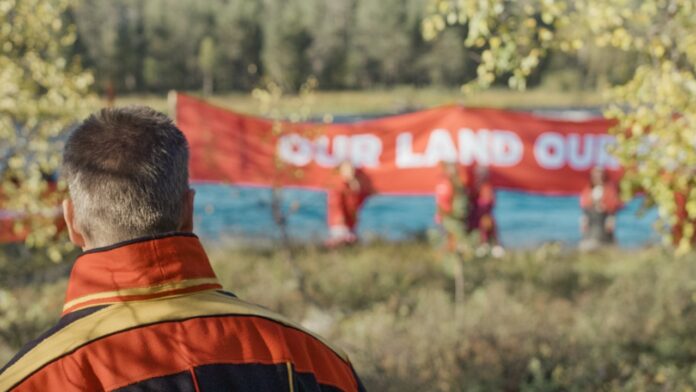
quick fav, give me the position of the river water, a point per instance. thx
(232, 213)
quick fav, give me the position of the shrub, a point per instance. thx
(547, 319)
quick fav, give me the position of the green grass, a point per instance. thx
(548, 319)
(379, 101)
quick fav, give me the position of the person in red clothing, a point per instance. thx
(452, 204)
(600, 202)
(344, 201)
(144, 310)
(481, 219)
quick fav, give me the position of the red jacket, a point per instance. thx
(610, 202)
(445, 193)
(344, 202)
(149, 314)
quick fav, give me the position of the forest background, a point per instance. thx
(546, 319)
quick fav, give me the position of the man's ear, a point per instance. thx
(187, 211)
(76, 237)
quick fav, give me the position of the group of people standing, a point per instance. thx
(465, 202)
(465, 199)
(464, 205)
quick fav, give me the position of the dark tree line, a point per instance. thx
(223, 45)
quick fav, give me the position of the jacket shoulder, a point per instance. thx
(82, 328)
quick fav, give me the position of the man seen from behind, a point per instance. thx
(143, 309)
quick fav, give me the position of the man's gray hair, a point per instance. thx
(127, 174)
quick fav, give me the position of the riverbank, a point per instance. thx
(543, 319)
(393, 100)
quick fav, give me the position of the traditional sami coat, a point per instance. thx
(150, 315)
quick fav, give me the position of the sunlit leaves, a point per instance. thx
(42, 93)
(655, 110)
(659, 108)
(511, 37)
(280, 107)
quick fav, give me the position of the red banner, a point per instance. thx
(401, 153)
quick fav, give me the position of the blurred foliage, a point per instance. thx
(279, 107)
(150, 46)
(365, 103)
(206, 61)
(543, 320)
(547, 319)
(655, 108)
(42, 93)
(32, 288)
(284, 110)
(277, 104)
